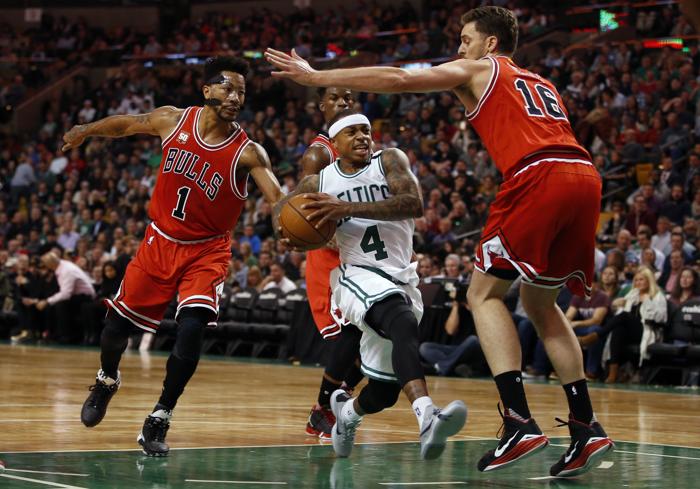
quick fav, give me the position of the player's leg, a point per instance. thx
(344, 352)
(395, 318)
(180, 367)
(501, 345)
(200, 287)
(588, 439)
(139, 302)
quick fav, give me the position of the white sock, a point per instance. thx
(348, 412)
(163, 414)
(420, 406)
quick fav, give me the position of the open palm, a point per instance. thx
(290, 66)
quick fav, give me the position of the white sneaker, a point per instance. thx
(343, 434)
(438, 425)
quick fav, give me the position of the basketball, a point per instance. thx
(299, 230)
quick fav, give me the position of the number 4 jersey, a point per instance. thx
(520, 115)
(386, 246)
(196, 194)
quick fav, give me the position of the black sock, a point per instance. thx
(579, 401)
(324, 393)
(512, 392)
(353, 376)
(113, 341)
(178, 373)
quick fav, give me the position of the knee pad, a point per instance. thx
(385, 316)
(378, 395)
(190, 333)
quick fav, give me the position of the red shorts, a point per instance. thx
(543, 224)
(163, 267)
(319, 264)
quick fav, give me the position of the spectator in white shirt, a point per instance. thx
(68, 239)
(75, 289)
(277, 278)
(58, 164)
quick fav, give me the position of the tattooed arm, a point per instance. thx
(405, 202)
(160, 122)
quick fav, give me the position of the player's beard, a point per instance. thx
(220, 114)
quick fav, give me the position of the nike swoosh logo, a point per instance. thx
(567, 458)
(425, 430)
(500, 450)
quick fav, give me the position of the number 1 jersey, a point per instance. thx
(521, 115)
(196, 195)
(383, 245)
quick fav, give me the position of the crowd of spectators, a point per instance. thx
(635, 109)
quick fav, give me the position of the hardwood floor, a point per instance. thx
(237, 403)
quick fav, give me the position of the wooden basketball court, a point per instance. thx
(241, 424)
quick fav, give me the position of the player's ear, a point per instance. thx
(206, 90)
(491, 44)
(321, 106)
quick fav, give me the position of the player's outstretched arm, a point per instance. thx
(159, 122)
(406, 199)
(379, 79)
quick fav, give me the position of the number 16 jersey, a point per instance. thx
(196, 195)
(386, 246)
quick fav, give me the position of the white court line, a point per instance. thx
(54, 484)
(43, 472)
(605, 465)
(453, 483)
(238, 482)
(663, 455)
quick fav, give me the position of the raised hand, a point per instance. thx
(291, 66)
(74, 137)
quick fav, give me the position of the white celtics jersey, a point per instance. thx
(382, 245)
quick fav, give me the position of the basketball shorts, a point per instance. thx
(355, 290)
(164, 267)
(542, 224)
(319, 264)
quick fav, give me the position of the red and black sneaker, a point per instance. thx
(520, 439)
(320, 423)
(589, 443)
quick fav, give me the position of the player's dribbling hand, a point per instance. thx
(291, 66)
(73, 138)
(327, 208)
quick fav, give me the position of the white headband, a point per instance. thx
(350, 120)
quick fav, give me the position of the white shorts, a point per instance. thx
(355, 290)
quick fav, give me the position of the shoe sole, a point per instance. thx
(314, 433)
(594, 457)
(142, 441)
(543, 442)
(434, 447)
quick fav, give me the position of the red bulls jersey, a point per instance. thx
(322, 140)
(521, 116)
(196, 195)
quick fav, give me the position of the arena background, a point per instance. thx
(628, 73)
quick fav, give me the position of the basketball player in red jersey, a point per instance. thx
(197, 200)
(541, 225)
(344, 349)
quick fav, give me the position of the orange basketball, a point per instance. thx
(299, 230)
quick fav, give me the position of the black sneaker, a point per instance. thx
(519, 439)
(320, 423)
(95, 406)
(589, 443)
(152, 436)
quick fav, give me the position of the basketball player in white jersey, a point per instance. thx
(374, 198)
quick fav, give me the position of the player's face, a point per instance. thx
(354, 143)
(231, 92)
(474, 44)
(336, 100)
